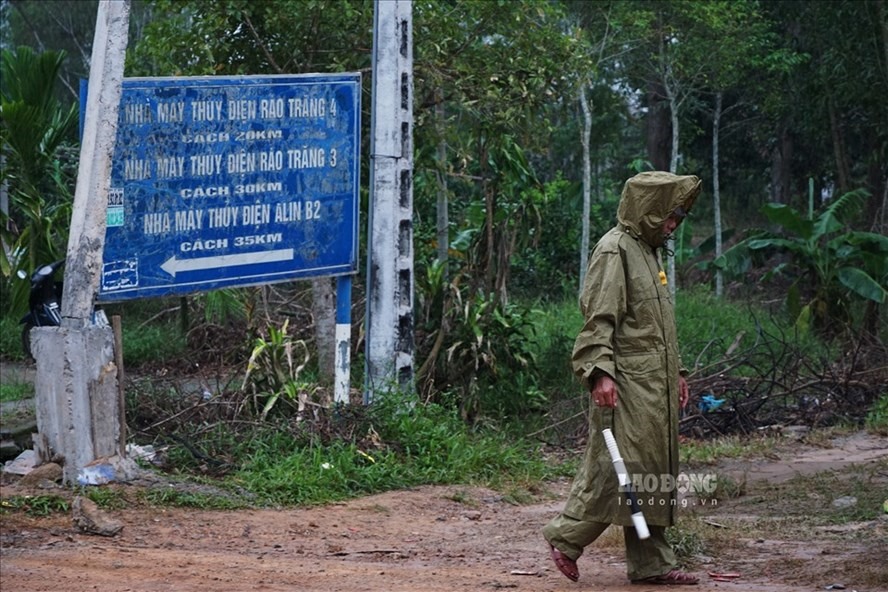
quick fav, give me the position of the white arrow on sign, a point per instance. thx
(172, 265)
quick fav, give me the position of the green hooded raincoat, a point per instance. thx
(630, 335)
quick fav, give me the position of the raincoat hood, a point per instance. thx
(649, 198)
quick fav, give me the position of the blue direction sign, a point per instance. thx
(232, 181)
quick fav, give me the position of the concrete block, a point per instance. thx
(77, 402)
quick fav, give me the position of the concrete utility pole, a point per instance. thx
(390, 346)
(78, 409)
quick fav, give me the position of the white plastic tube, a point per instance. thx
(638, 520)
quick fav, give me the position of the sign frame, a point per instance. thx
(232, 181)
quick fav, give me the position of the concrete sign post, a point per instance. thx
(78, 408)
(390, 346)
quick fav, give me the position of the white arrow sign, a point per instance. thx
(172, 265)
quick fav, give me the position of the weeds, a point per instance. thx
(461, 497)
(173, 496)
(15, 391)
(686, 540)
(10, 338)
(273, 373)
(151, 343)
(416, 450)
(107, 498)
(830, 497)
(877, 418)
(35, 505)
(707, 452)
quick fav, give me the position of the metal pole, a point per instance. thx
(343, 339)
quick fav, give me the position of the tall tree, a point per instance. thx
(740, 44)
(836, 123)
(482, 61)
(601, 25)
(672, 66)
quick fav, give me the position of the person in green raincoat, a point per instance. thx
(626, 355)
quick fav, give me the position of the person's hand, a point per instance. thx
(604, 391)
(683, 392)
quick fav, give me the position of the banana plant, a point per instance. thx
(831, 264)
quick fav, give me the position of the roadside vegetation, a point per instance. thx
(15, 390)
(212, 430)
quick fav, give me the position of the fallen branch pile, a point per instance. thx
(772, 383)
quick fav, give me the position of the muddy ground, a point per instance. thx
(440, 539)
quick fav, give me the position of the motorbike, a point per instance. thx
(44, 302)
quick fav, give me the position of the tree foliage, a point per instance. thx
(830, 265)
(35, 130)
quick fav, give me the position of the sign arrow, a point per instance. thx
(173, 266)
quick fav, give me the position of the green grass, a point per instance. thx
(172, 496)
(35, 505)
(107, 498)
(708, 327)
(877, 418)
(11, 339)
(556, 326)
(686, 538)
(706, 452)
(15, 391)
(807, 500)
(151, 343)
(427, 445)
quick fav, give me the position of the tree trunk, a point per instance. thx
(657, 130)
(883, 221)
(489, 254)
(673, 115)
(716, 197)
(587, 181)
(877, 179)
(503, 270)
(781, 160)
(4, 208)
(838, 142)
(443, 218)
(323, 309)
(673, 168)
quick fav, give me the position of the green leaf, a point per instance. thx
(832, 219)
(789, 219)
(803, 320)
(777, 243)
(708, 245)
(859, 282)
(794, 301)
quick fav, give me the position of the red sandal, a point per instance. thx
(565, 564)
(673, 577)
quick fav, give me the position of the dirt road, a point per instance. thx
(403, 541)
(432, 539)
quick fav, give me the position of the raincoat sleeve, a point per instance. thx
(603, 303)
